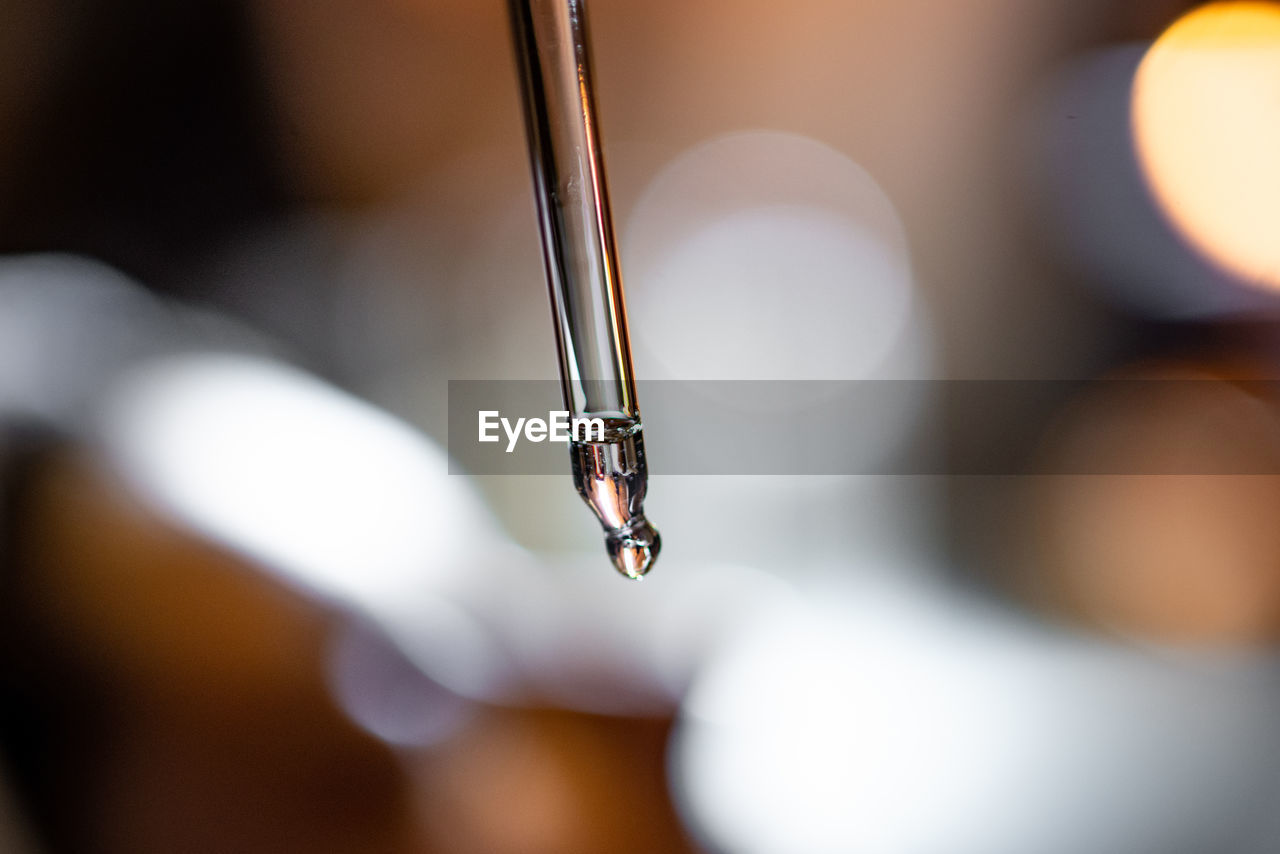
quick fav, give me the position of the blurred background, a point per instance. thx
(245, 607)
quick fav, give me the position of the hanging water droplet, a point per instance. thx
(635, 548)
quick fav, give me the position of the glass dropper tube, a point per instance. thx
(581, 264)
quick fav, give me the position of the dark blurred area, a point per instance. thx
(246, 607)
(138, 133)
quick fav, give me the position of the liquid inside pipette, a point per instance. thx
(611, 476)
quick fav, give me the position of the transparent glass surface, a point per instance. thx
(573, 208)
(582, 272)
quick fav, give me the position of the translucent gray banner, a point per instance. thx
(884, 427)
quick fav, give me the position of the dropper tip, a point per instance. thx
(634, 549)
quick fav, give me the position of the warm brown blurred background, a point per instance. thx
(245, 610)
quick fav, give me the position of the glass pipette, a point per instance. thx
(581, 264)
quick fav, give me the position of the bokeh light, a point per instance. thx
(1106, 223)
(1207, 130)
(383, 691)
(307, 479)
(893, 720)
(245, 604)
(338, 498)
(1165, 529)
(768, 255)
(69, 324)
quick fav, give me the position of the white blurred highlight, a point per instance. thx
(68, 324)
(598, 646)
(897, 724)
(49, 344)
(767, 255)
(764, 255)
(324, 490)
(387, 694)
(351, 505)
(311, 481)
